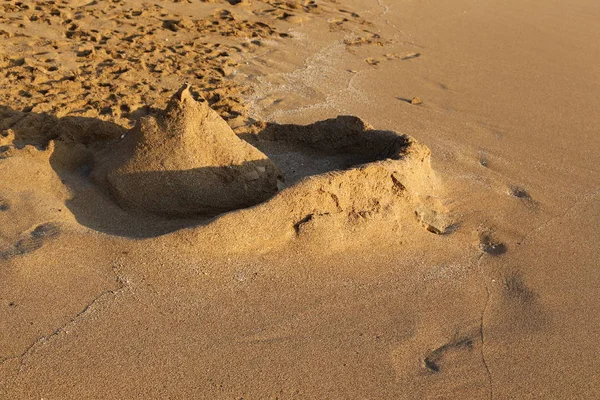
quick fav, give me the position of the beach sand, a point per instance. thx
(261, 199)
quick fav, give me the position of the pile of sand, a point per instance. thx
(186, 160)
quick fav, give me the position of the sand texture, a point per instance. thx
(303, 199)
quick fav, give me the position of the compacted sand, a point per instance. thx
(248, 199)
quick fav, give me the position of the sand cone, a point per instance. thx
(186, 160)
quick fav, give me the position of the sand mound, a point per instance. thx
(186, 160)
(343, 177)
(339, 176)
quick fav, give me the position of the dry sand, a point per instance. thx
(411, 196)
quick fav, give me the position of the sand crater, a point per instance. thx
(335, 144)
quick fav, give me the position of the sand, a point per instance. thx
(389, 200)
(185, 160)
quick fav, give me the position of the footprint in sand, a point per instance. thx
(367, 38)
(524, 310)
(522, 194)
(435, 359)
(32, 240)
(440, 364)
(390, 57)
(519, 192)
(483, 159)
(516, 289)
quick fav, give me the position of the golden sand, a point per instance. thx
(299, 199)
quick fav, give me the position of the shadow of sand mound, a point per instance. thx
(20, 129)
(43, 157)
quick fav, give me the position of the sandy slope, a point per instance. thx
(372, 274)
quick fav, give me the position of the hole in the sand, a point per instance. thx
(4, 205)
(304, 220)
(330, 145)
(519, 192)
(431, 364)
(492, 247)
(434, 359)
(106, 111)
(433, 229)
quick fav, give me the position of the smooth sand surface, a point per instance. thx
(438, 240)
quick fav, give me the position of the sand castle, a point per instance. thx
(187, 161)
